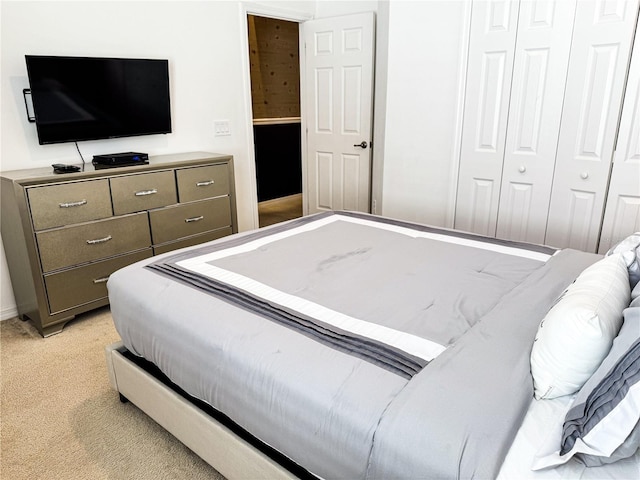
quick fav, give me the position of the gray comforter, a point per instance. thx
(359, 347)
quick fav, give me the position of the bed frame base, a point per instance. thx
(215, 443)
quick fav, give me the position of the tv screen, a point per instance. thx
(81, 98)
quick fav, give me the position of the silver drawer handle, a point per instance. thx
(99, 240)
(142, 193)
(101, 280)
(194, 219)
(205, 183)
(72, 204)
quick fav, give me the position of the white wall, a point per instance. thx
(332, 8)
(418, 109)
(7, 300)
(380, 106)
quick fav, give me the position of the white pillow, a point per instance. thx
(577, 333)
(629, 247)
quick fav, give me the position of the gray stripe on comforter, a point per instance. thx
(383, 355)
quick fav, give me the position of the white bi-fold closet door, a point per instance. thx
(518, 57)
(622, 210)
(543, 82)
(600, 53)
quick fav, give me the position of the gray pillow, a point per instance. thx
(602, 424)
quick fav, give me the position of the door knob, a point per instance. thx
(362, 144)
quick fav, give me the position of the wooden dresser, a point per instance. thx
(64, 234)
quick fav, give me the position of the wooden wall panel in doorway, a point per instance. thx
(275, 67)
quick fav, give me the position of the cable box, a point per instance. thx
(121, 159)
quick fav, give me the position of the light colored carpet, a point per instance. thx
(59, 418)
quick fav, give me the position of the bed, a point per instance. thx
(345, 345)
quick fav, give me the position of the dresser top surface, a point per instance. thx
(88, 170)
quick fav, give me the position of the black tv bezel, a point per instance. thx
(73, 139)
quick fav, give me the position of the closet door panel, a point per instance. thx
(515, 220)
(580, 219)
(489, 71)
(622, 218)
(597, 73)
(622, 211)
(538, 86)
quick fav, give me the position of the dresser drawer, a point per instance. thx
(68, 246)
(199, 183)
(186, 219)
(69, 203)
(82, 285)
(135, 193)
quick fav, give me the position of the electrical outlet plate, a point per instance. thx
(221, 128)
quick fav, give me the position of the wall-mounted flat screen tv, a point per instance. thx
(82, 98)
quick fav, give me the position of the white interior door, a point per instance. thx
(602, 37)
(538, 86)
(339, 54)
(622, 211)
(489, 71)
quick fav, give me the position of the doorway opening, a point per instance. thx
(275, 95)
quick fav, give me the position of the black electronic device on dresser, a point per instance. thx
(120, 159)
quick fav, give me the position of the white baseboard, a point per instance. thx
(8, 312)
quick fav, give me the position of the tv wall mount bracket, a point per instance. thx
(26, 92)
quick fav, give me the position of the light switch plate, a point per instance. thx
(221, 128)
